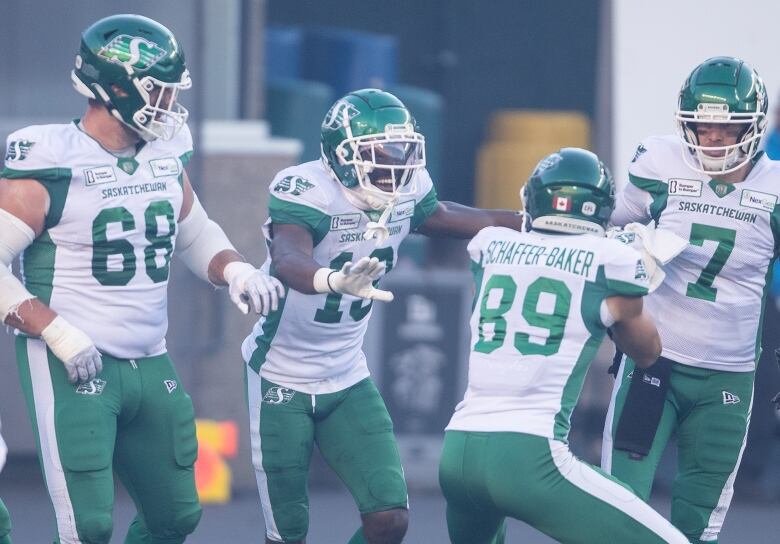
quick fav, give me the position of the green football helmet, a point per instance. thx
(723, 90)
(370, 144)
(571, 192)
(134, 67)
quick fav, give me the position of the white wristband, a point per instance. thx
(321, 284)
(65, 340)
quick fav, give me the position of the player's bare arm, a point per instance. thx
(458, 221)
(23, 207)
(206, 250)
(291, 252)
(634, 331)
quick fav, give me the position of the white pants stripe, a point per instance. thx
(718, 515)
(606, 440)
(597, 485)
(255, 401)
(43, 396)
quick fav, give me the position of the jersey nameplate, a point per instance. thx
(685, 187)
(99, 175)
(758, 200)
(402, 211)
(164, 167)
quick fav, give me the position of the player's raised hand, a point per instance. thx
(355, 279)
(250, 288)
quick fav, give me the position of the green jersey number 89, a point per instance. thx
(503, 289)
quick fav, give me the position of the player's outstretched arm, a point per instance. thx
(206, 250)
(634, 331)
(291, 253)
(23, 207)
(458, 221)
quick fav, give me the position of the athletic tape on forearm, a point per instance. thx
(64, 340)
(199, 240)
(15, 236)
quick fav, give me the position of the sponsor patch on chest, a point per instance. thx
(758, 200)
(403, 210)
(345, 221)
(99, 175)
(164, 167)
(684, 187)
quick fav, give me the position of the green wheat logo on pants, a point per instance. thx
(278, 395)
(93, 387)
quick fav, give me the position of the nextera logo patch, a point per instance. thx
(345, 221)
(164, 167)
(684, 187)
(402, 211)
(99, 175)
(757, 200)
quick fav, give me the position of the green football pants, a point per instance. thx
(709, 411)
(487, 476)
(5, 525)
(135, 419)
(354, 434)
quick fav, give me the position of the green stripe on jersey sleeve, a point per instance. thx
(283, 211)
(185, 157)
(55, 180)
(657, 190)
(424, 209)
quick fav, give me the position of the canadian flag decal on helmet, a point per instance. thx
(562, 203)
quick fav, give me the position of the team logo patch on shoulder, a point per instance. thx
(278, 395)
(292, 185)
(18, 150)
(134, 51)
(164, 167)
(684, 187)
(640, 150)
(98, 175)
(758, 200)
(92, 387)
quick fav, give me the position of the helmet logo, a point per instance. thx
(549, 162)
(339, 115)
(589, 208)
(133, 51)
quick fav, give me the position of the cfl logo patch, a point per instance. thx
(170, 385)
(278, 395)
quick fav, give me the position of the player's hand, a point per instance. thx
(74, 348)
(355, 279)
(657, 247)
(250, 288)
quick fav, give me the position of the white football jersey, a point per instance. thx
(709, 307)
(313, 342)
(103, 259)
(537, 322)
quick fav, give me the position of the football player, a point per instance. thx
(710, 185)
(95, 207)
(544, 300)
(334, 229)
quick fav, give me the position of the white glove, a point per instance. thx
(657, 247)
(74, 348)
(353, 279)
(250, 287)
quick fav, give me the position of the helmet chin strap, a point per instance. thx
(377, 230)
